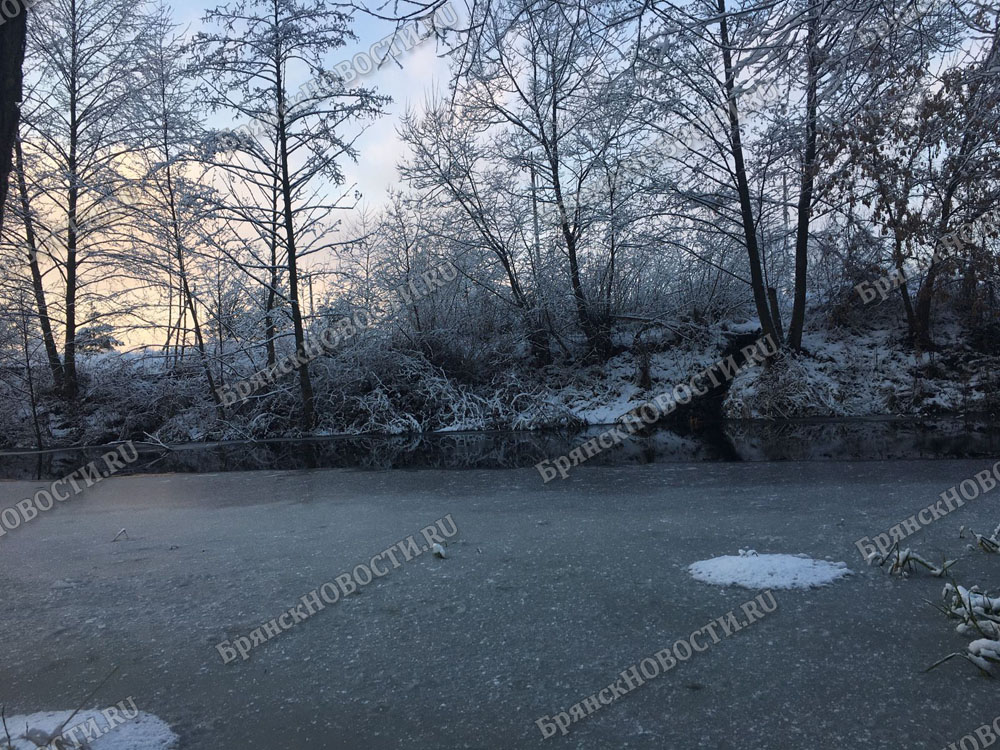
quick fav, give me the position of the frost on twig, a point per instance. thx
(904, 560)
(979, 616)
(989, 544)
(3, 719)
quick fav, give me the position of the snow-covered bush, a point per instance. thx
(789, 386)
(369, 387)
(129, 396)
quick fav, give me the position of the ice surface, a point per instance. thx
(549, 592)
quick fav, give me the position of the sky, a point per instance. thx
(380, 150)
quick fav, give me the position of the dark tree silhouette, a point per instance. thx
(12, 36)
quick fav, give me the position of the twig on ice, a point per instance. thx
(57, 734)
(905, 559)
(6, 731)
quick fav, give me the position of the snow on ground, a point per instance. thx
(753, 571)
(600, 395)
(844, 373)
(144, 732)
(851, 374)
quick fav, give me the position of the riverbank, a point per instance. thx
(842, 373)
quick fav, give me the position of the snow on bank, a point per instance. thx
(601, 394)
(144, 732)
(846, 373)
(753, 571)
(869, 373)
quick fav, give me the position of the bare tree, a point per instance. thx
(76, 117)
(246, 64)
(550, 92)
(167, 200)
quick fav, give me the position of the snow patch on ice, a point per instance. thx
(754, 571)
(144, 732)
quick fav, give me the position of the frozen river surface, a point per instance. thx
(547, 594)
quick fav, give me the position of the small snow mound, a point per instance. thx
(768, 571)
(143, 732)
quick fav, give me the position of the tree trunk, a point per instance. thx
(12, 38)
(305, 383)
(797, 322)
(32, 398)
(69, 351)
(170, 314)
(538, 335)
(925, 295)
(270, 328)
(36, 275)
(772, 298)
(743, 187)
(598, 338)
(598, 342)
(904, 292)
